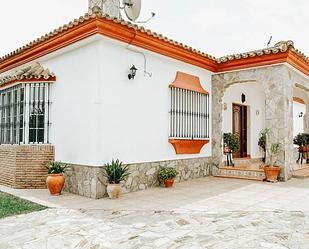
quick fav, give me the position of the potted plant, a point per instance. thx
(231, 145)
(167, 175)
(55, 179)
(115, 172)
(301, 140)
(231, 142)
(272, 170)
(262, 141)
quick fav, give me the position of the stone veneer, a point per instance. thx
(89, 180)
(23, 166)
(278, 82)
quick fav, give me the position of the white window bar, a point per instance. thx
(24, 114)
(189, 114)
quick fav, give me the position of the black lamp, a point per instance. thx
(243, 98)
(132, 73)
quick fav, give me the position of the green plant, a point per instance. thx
(232, 141)
(55, 167)
(273, 152)
(115, 172)
(301, 139)
(262, 140)
(167, 173)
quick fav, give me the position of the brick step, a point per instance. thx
(240, 173)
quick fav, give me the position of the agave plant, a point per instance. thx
(115, 172)
(55, 167)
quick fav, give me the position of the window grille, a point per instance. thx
(24, 112)
(189, 114)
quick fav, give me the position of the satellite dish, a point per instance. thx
(132, 8)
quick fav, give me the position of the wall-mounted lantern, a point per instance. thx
(243, 98)
(132, 73)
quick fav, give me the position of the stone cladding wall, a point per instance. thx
(89, 181)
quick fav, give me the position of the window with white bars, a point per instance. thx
(24, 114)
(189, 114)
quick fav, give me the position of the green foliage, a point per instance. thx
(115, 172)
(11, 205)
(167, 173)
(232, 141)
(263, 137)
(273, 153)
(56, 167)
(301, 139)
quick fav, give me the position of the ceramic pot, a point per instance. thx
(169, 183)
(113, 190)
(271, 173)
(55, 183)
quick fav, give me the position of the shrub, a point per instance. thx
(301, 139)
(232, 141)
(56, 167)
(262, 139)
(167, 173)
(115, 172)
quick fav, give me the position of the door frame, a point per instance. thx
(243, 150)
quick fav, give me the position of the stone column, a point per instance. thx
(278, 87)
(306, 116)
(217, 133)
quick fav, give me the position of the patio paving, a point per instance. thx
(204, 213)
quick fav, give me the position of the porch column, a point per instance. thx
(217, 134)
(306, 116)
(278, 87)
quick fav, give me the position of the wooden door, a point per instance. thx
(240, 128)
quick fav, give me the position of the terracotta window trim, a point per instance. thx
(185, 146)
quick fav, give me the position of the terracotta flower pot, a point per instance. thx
(226, 149)
(55, 183)
(271, 173)
(113, 190)
(169, 183)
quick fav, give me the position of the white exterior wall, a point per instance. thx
(298, 122)
(255, 101)
(98, 114)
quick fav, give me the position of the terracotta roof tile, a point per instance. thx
(86, 17)
(279, 47)
(34, 71)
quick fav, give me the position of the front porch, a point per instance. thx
(268, 95)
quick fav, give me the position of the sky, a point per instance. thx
(216, 27)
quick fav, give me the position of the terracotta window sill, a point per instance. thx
(183, 146)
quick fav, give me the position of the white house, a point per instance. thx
(72, 96)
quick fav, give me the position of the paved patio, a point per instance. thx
(204, 213)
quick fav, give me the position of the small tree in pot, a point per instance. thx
(262, 141)
(55, 179)
(272, 170)
(167, 175)
(301, 140)
(115, 172)
(231, 145)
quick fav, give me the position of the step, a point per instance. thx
(245, 161)
(301, 172)
(241, 173)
